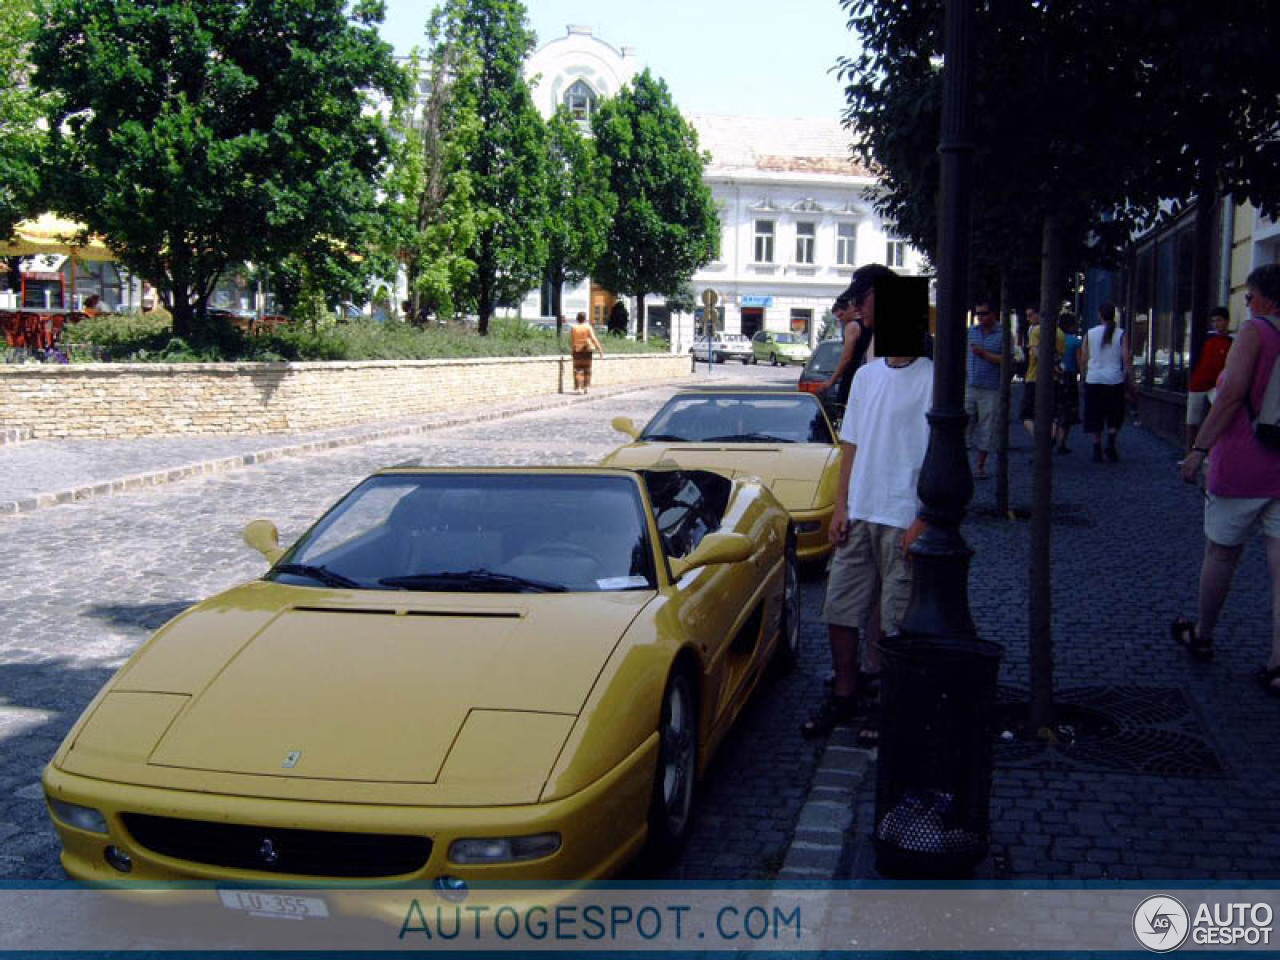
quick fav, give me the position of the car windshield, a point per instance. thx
(740, 417)
(826, 356)
(481, 533)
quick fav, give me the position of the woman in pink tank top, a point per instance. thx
(1243, 490)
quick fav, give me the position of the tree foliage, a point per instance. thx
(197, 135)
(430, 227)
(499, 144)
(580, 205)
(21, 107)
(666, 226)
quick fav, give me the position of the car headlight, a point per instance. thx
(82, 818)
(503, 849)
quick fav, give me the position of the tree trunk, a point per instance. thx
(557, 292)
(642, 322)
(1002, 407)
(1041, 592)
(1201, 268)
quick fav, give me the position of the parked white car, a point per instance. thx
(722, 347)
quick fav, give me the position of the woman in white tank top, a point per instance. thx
(1106, 362)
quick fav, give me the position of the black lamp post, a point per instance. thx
(934, 769)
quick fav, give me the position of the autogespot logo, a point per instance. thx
(1161, 923)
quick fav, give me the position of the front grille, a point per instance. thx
(306, 853)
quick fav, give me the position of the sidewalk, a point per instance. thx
(1185, 786)
(35, 474)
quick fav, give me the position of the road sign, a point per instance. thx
(710, 298)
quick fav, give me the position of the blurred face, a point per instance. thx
(1220, 325)
(864, 308)
(1033, 316)
(986, 316)
(1259, 306)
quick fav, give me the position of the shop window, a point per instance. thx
(805, 234)
(800, 320)
(764, 241)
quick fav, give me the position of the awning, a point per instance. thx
(51, 234)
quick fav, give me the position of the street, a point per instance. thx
(90, 581)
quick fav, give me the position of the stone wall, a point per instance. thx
(131, 400)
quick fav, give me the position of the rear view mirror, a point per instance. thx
(263, 537)
(625, 425)
(714, 548)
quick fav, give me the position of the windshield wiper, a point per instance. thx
(481, 580)
(662, 437)
(323, 574)
(749, 438)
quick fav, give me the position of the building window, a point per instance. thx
(895, 254)
(800, 321)
(844, 244)
(804, 242)
(581, 101)
(764, 241)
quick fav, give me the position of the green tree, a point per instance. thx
(666, 225)
(498, 142)
(194, 136)
(21, 108)
(431, 226)
(580, 206)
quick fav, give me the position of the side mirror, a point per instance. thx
(714, 548)
(625, 425)
(263, 537)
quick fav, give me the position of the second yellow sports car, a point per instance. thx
(785, 439)
(454, 676)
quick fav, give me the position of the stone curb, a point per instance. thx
(356, 437)
(828, 814)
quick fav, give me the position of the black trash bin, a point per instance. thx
(933, 778)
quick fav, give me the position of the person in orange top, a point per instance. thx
(92, 306)
(1204, 378)
(582, 339)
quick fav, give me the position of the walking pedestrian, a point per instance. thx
(982, 385)
(582, 340)
(883, 439)
(1027, 413)
(1243, 488)
(1107, 363)
(1204, 377)
(1068, 412)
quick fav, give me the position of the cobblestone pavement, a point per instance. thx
(1126, 555)
(88, 581)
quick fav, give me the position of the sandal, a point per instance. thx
(1267, 678)
(833, 712)
(1184, 634)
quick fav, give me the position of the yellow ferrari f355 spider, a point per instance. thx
(455, 676)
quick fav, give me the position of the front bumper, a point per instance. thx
(812, 528)
(601, 828)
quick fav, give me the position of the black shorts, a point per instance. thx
(1103, 406)
(1027, 410)
(1068, 399)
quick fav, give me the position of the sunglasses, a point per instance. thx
(983, 313)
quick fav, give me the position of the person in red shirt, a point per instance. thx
(1204, 378)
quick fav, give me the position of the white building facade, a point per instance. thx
(795, 210)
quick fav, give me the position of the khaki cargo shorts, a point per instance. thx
(868, 567)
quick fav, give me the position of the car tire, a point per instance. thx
(787, 653)
(773, 359)
(754, 361)
(675, 778)
(747, 360)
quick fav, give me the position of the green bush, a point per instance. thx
(142, 338)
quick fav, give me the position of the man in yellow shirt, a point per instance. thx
(1028, 411)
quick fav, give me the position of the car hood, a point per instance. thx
(297, 684)
(792, 471)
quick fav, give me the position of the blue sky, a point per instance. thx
(749, 57)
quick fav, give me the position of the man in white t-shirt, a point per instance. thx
(883, 440)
